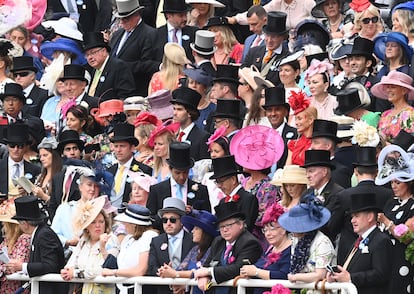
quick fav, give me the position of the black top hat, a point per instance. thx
(325, 128)
(404, 140)
(227, 210)
(224, 166)
(174, 6)
(227, 73)
(365, 156)
(363, 47)
(27, 208)
(364, 202)
(14, 90)
(228, 108)
(348, 101)
(67, 137)
(276, 96)
(94, 40)
(318, 158)
(276, 23)
(73, 72)
(180, 156)
(319, 56)
(315, 30)
(23, 63)
(186, 96)
(17, 133)
(217, 21)
(124, 132)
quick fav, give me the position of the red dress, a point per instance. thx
(298, 148)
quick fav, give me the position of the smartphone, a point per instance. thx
(246, 262)
(332, 269)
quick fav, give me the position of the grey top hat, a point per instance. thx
(125, 8)
(204, 42)
(171, 204)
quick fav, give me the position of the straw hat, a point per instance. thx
(87, 212)
(7, 210)
(290, 174)
(175, 53)
(250, 75)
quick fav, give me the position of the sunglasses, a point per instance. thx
(20, 146)
(367, 20)
(21, 74)
(172, 220)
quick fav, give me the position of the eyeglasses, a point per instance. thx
(217, 121)
(20, 146)
(367, 20)
(269, 229)
(172, 220)
(228, 226)
(221, 180)
(91, 53)
(21, 74)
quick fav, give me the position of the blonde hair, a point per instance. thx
(286, 197)
(193, 21)
(375, 12)
(405, 17)
(140, 230)
(170, 73)
(12, 232)
(229, 39)
(169, 137)
(310, 112)
(108, 224)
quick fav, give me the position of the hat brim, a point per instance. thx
(123, 15)
(31, 68)
(97, 45)
(379, 90)
(79, 143)
(8, 219)
(190, 222)
(229, 80)
(226, 115)
(199, 50)
(185, 103)
(48, 48)
(179, 166)
(319, 163)
(302, 224)
(132, 140)
(236, 214)
(266, 31)
(368, 164)
(79, 78)
(21, 97)
(25, 218)
(122, 217)
(366, 208)
(212, 2)
(170, 209)
(227, 174)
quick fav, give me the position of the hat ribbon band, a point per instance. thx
(206, 50)
(137, 216)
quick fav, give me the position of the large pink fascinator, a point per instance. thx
(272, 213)
(359, 5)
(217, 134)
(298, 101)
(321, 67)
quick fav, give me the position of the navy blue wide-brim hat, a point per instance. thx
(382, 39)
(202, 219)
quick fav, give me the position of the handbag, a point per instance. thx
(110, 262)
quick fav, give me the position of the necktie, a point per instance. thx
(352, 253)
(67, 187)
(70, 7)
(179, 193)
(118, 179)
(16, 173)
(357, 242)
(229, 247)
(122, 42)
(174, 36)
(268, 56)
(175, 260)
(95, 82)
(256, 41)
(180, 136)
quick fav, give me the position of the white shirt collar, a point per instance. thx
(367, 232)
(187, 131)
(28, 89)
(179, 235)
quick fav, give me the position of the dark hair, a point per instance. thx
(35, 223)
(255, 110)
(194, 114)
(204, 244)
(224, 143)
(235, 122)
(82, 114)
(233, 87)
(403, 57)
(204, 56)
(258, 10)
(367, 170)
(56, 166)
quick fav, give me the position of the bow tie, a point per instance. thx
(233, 198)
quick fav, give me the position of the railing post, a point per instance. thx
(34, 287)
(137, 288)
(241, 289)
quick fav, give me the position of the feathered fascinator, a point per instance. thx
(217, 134)
(87, 212)
(359, 5)
(278, 289)
(364, 134)
(145, 117)
(14, 13)
(321, 67)
(5, 47)
(272, 213)
(298, 101)
(166, 127)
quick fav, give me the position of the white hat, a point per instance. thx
(213, 2)
(64, 26)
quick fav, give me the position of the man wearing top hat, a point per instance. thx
(176, 29)
(46, 253)
(265, 58)
(324, 138)
(319, 173)
(277, 112)
(111, 77)
(404, 140)
(230, 250)
(228, 114)
(185, 102)
(362, 62)
(24, 73)
(14, 166)
(124, 143)
(203, 50)
(225, 176)
(226, 82)
(172, 246)
(365, 170)
(179, 185)
(368, 262)
(134, 44)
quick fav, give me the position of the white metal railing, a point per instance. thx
(138, 282)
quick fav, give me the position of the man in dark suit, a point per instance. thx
(24, 73)
(46, 253)
(203, 50)
(134, 44)
(111, 77)
(365, 170)
(266, 57)
(176, 29)
(256, 18)
(369, 260)
(277, 112)
(179, 185)
(185, 102)
(230, 250)
(318, 171)
(14, 166)
(124, 143)
(228, 114)
(324, 138)
(173, 245)
(225, 176)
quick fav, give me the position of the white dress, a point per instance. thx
(129, 253)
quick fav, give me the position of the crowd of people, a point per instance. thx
(207, 139)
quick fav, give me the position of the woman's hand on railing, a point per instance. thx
(67, 273)
(14, 265)
(166, 271)
(248, 271)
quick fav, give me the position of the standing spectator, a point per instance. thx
(203, 51)
(256, 19)
(201, 12)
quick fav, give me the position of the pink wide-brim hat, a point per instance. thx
(143, 180)
(395, 78)
(160, 104)
(257, 147)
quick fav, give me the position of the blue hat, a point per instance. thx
(406, 5)
(199, 75)
(305, 217)
(202, 219)
(63, 44)
(135, 214)
(381, 40)
(341, 50)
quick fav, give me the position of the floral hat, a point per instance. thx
(272, 214)
(87, 212)
(7, 210)
(145, 117)
(364, 134)
(298, 101)
(166, 127)
(218, 133)
(143, 180)
(321, 67)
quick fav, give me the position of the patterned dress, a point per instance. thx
(390, 125)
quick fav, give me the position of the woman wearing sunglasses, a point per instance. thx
(368, 23)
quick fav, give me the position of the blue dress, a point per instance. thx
(278, 270)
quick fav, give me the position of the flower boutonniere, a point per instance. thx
(102, 79)
(164, 246)
(135, 168)
(368, 84)
(194, 187)
(231, 259)
(272, 258)
(234, 198)
(364, 246)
